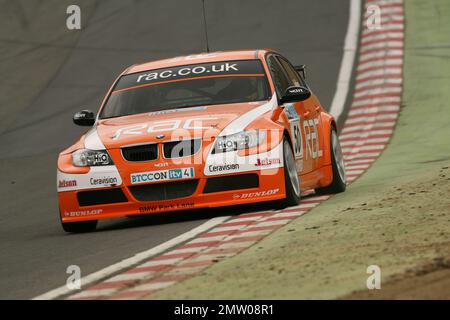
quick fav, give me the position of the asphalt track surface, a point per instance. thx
(34, 251)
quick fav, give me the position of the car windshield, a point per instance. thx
(187, 86)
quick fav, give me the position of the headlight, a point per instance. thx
(91, 158)
(239, 141)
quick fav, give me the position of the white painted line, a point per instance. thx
(153, 286)
(131, 276)
(190, 250)
(354, 172)
(160, 262)
(136, 259)
(94, 293)
(390, 10)
(385, 100)
(373, 119)
(348, 58)
(304, 205)
(391, 19)
(380, 54)
(289, 214)
(362, 142)
(230, 228)
(362, 134)
(381, 72)
(249, 234)
(383, 36)
(359, 111)
(361, 155)
(383, 2)
(254, 218)
(273, 223)
(390, 27)
(206, 239)
(366, 162)
(382, 45)
(354, 167)
(374, 82)
(379, 63)
(368, 126)
(363, 148)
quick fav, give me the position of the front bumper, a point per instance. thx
(270, 186)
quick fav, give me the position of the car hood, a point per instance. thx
(177, 124)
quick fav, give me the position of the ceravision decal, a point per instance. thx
(225, 167)
(162, 175)
(111, 181)
(232, 162)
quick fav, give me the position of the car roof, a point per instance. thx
(199, 58)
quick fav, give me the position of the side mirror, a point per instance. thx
(295, 94)
(301, 69)
(85, 118)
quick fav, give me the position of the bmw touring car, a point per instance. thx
(199, 131)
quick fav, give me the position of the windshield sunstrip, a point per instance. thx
(187, 72)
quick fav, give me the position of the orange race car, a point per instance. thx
(199, 131)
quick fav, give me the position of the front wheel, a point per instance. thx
(337, 163)
(291, 179)
(79, 227)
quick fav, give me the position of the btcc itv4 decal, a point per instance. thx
(163, 175)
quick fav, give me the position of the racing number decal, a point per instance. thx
(312, 138)
(297, 138)
(296, 134)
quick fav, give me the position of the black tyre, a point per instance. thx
(79, 227)
(291, 178)
(337, 162)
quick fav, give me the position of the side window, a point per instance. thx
(279, 78)
(293, 75)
